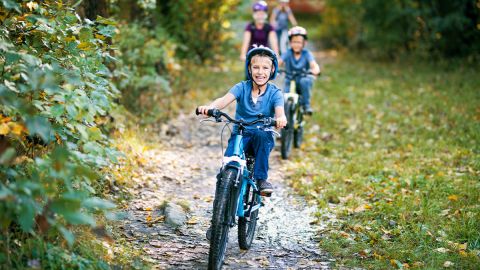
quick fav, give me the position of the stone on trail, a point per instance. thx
(175, 215)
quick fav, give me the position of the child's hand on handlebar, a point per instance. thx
(281, 121)
(204, 109)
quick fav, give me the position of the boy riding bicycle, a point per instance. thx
(255, 98)
(297, 60)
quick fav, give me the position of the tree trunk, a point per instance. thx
(129, 10)
(90, 9)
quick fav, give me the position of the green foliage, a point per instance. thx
(397, 163)
(447, 28)
(147, 59)
(56, 88)
(200, 26)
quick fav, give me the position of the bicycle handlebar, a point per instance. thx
(267, 121)
(298, 73)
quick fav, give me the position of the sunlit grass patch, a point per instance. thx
(401, 165)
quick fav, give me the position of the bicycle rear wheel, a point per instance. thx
(298, 133)
(247, 225)
(287, 134)
(220, 219)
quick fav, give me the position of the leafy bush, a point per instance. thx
(200, 26)
(147, 58)
(447, 28)
(56, 88)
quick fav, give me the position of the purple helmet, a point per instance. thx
(260, 6)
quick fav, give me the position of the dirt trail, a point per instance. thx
(183, 170)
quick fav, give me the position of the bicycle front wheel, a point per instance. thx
(247, 225)
(287, 134)
(220, 220)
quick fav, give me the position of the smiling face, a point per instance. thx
(297, 43)
(260, 16)
(261, 67)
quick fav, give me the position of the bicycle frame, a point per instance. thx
(238, 161)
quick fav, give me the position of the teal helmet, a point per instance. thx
(265, 51)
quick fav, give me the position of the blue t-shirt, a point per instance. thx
(300, 64)
(282, 18)
(266, 103)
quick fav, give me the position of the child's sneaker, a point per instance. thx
(265, 188)
(308, 110)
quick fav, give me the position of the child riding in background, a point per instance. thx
(259, 32)
(299, 59)
(255, 96)
(280, 17)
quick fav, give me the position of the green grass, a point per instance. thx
(402, 169)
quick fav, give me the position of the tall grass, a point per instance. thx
(397, 159)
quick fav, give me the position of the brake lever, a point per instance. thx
(207, 120)
(272, 130)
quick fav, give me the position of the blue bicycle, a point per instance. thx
(236, 193)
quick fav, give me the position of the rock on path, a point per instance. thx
(182, 171)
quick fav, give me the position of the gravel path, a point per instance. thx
(182, 170)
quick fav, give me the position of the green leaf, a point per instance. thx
(64, 206)
(68, 235)
(60, 153)
(107, 21)
(40, 126)
(7, 156)
(9, 4)
(97, 203)
(11, 57)
(85, 34)
(57, 110)
(95, 133)
(26, 215)
(5, 45)
(108, 31)
(4, 192)
(79, 218)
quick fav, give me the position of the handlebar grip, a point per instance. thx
(273, 123)
(210, 112)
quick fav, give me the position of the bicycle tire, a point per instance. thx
(220, 216)
(298, 133)
(247, 225)
(287, 134)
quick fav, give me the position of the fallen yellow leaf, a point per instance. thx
(16, 129)
(85, 46)
(192, 221)
(463, 246)
(149, 218)
(71, 38)
(453, 198)
(4, 129)
(148, 209)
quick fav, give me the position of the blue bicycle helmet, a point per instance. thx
(263, 51)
